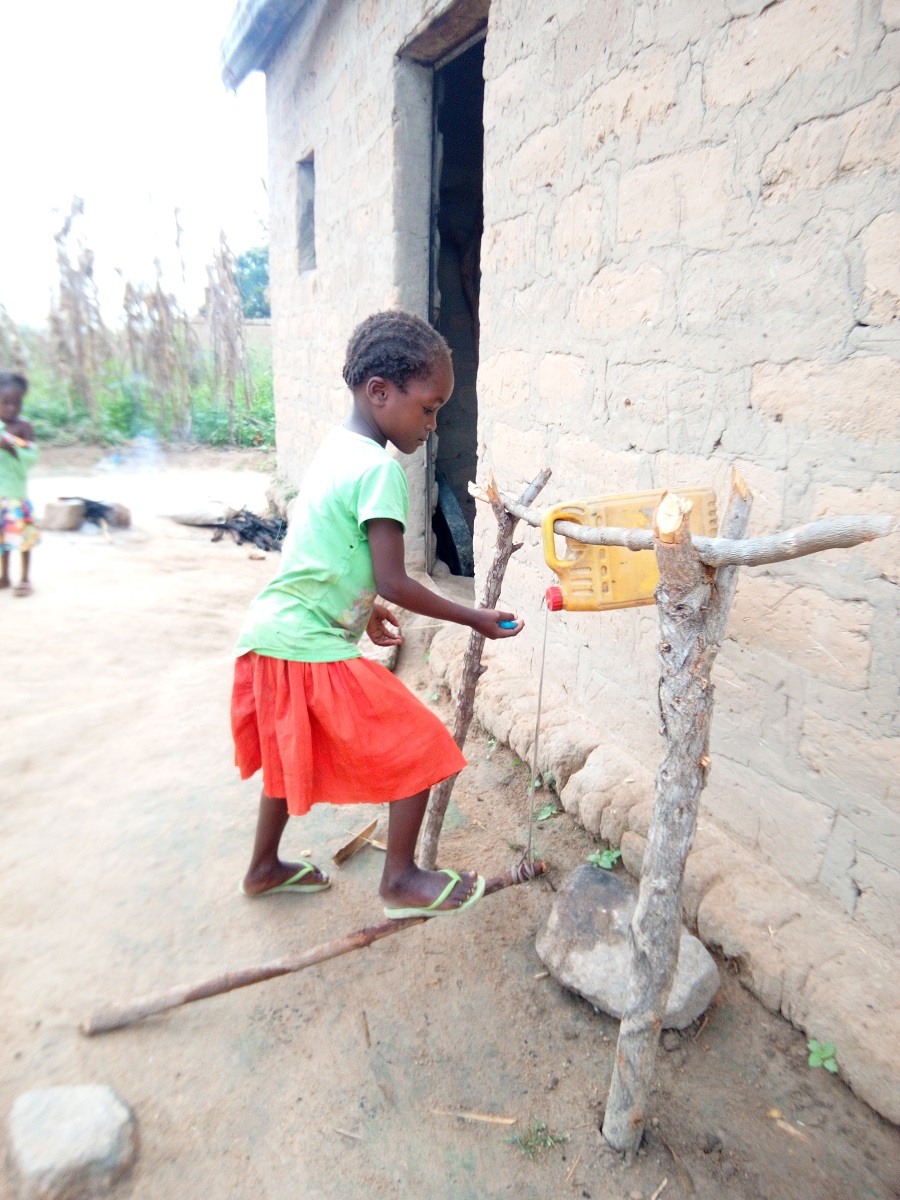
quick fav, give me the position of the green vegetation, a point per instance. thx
(251, 274)
(537, 1137)
(159, 372)
(606, 859)
(126, 406)
(821, 1054)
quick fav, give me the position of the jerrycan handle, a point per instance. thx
(554, 514)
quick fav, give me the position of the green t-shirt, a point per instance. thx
(14, 470)
(318, 605)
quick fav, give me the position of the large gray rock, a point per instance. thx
(70, 1143)
(584, 946)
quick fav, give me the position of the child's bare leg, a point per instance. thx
(4, 568)
(403, 884)
(24, 588)
(266, 868)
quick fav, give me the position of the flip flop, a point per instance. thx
(290, 885)
(433, 909)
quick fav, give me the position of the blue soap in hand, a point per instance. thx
(507, 624)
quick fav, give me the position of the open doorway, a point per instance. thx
(456, 228)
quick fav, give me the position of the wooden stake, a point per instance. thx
(472, 668)
(693, 605)
(160, 1002)
(698, 577)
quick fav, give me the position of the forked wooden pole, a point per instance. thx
(693, 603)
(148, 1006)
(472, 669)
(698, 577)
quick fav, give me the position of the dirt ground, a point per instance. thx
(125, 831)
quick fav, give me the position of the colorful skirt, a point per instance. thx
(18, 530)
(335, 733)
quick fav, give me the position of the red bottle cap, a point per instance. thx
(554, 598)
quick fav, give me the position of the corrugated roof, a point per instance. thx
(255, 31)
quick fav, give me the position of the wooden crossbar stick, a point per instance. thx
(831, 533)
(148, 1006)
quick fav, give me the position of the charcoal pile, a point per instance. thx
(245, 526)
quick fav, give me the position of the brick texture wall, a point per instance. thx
(690, 259)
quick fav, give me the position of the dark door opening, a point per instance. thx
(457, 223)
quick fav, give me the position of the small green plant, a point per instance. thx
(821, 1054)
(606, 859)
(537, 1137)
(549, 810)
(517, 762)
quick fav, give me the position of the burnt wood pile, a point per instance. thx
(244, 526)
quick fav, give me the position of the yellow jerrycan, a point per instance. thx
(596, 578)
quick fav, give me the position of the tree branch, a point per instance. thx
(472, 669)
(160, 1002)
(831, 533)
(693, 603)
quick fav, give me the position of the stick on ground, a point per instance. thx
(160, 1002)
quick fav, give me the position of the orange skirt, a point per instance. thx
(335, 733)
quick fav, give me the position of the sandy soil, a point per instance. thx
(124, 833)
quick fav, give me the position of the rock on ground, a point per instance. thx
(70, 1143)
(584, 945)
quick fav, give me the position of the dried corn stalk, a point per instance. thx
(162, 351)
(225, 317)
(81, 343)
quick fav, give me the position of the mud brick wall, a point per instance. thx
(691, 258)
(335, 91)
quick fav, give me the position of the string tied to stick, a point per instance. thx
(528, 857)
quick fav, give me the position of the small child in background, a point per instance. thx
(17, 454)
(324, 723)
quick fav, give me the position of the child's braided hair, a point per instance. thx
(395, 345)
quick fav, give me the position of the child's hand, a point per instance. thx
(377, 627)
(486, 621)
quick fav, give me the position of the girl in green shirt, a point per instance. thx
(323, 723)
(17, 454)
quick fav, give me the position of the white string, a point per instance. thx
(529, 851)
(528, 857)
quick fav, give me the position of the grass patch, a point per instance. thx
(536, 1138)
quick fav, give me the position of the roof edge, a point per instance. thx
(256, 30)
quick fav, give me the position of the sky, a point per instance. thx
(121, 102)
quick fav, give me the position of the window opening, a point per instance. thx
(306, 214)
